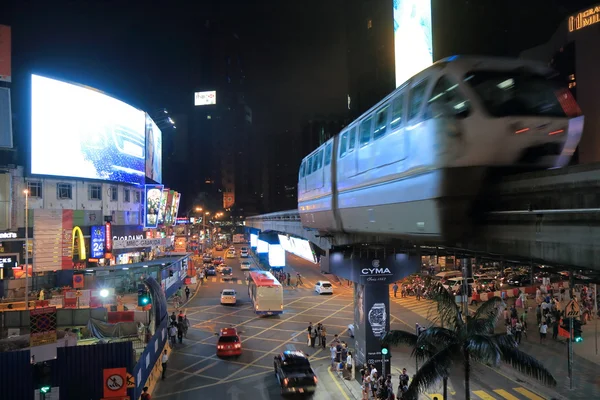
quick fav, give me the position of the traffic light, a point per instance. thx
(385, 349)
(143, 297)
(42, 377)
(577, 331)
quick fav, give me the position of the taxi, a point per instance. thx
(228, 296)
(229, 343)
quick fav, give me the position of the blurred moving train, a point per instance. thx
(413, 165)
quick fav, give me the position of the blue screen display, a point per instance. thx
(97, 240)
(80, 132)
(152, 201)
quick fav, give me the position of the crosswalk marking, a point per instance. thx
(528, 394)
(483, 395)
(505, 394)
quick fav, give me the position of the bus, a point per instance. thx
(265, 292)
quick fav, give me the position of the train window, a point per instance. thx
(315, 163)
(328, 154)
(302, 169)
(380, 123)
(397, 112)
(343, 144)
(309, 169)
(452, 102)
(365, 131)
(352, 140)
(416, 99)
(319, 159)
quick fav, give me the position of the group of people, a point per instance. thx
(341, 357)
(317, 335)
(178, 327)
(379, 387)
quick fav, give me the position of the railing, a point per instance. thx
(289, 215)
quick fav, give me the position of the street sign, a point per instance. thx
(572, 310)
(114, 382)
(42, 324)
(130, 381)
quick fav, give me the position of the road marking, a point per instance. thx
(505, 394)
(197, 373)
(335, 380)
(431, 396)
(483, 395)
(528, 394)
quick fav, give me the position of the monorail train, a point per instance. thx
(414, 164)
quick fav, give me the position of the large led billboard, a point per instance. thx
(412, 38)
(175, 210)
(205, 98)
(163, 207)
(153, 150)
(83, 133)
(152, 203)
(276, 256)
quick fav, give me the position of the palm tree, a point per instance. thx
(463, 342)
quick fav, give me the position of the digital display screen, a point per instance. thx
(263, 247)
(413, 46)
(153, 150)
(152, 200)
(163, 206)
(175, 207)
(97, 240)
(169, 208)
(80, 132)
(276, 255)
(205, 98)
(298, 247)
(253, 240)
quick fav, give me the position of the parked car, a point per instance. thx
(294, 373)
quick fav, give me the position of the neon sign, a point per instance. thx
(108, 232)
(78, 244)
(584, 19)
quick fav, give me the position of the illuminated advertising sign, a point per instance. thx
(276, 255)
(584, 19)
(262, 247)
(153, 150)
(205, 98)
(152, 198)
(97, 241)
(109, 242)
(169, 208)
(102, 137)
(413, 47)
(175, 206)
(163, 206)
(5, 53)
(298, 247)
(78, 245)
(253, 240)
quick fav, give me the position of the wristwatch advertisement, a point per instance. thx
(377, 319)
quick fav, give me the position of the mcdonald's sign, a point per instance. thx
(78, 245)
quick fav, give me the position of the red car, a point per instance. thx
(229, 343)
(218, 261)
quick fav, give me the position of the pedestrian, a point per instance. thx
(313, 337)
(180, 331)
(323, 337)
(289, 278)
(145, 394)
(173, 333)
(418, 292)
(543, 331)
(173, 317)
(186, 325)
(187, 293)
(333, 353)
(395, 288)
(518, 331)
(180, 293)
(164, 360)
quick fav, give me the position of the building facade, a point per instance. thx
(573, 53)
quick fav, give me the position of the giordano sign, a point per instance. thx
(584, 19)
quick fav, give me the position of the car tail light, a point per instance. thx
(220, 347)
(315, 379)
(285, 382)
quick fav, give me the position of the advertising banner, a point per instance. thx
(104, 137)
(153, 150)
(276, 256)
(67, 239)
(169, 208)
(138, 243)
(373, 269)
(98, 241)
(371, 322)
(115, 382)
(5, 53)
(163, 206)
(205, 98)
(152, 199)
(253, 240)
(78, 281)
(6, 135)
(176, 199)
(109, 239)
(48, 234)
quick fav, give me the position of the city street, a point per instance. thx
(195, 371)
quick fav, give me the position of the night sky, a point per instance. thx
(143, 52)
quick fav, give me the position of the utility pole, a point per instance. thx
(26, 191)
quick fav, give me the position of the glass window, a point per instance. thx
(328, 154)
(397, 111)
(320, 159)
(309, 169)
(114, 193)
(352, 140)
(126, 195)
(446, 94)
(315, 163)
(136, 196)
(517, 93)
(64, 191)
(365, 131)
(302, 169)
(380, 123)
(34, 189)
(228, 339)
(416, 99)
(343, 144)
(95, 192)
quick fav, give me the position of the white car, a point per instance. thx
(324, 287)
(245, 265)
(244, 254)
(228, 296)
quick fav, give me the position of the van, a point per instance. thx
(449, 274)
(455, 284)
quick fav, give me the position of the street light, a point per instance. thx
(198, 209)
(104, 293)
(26, 191)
